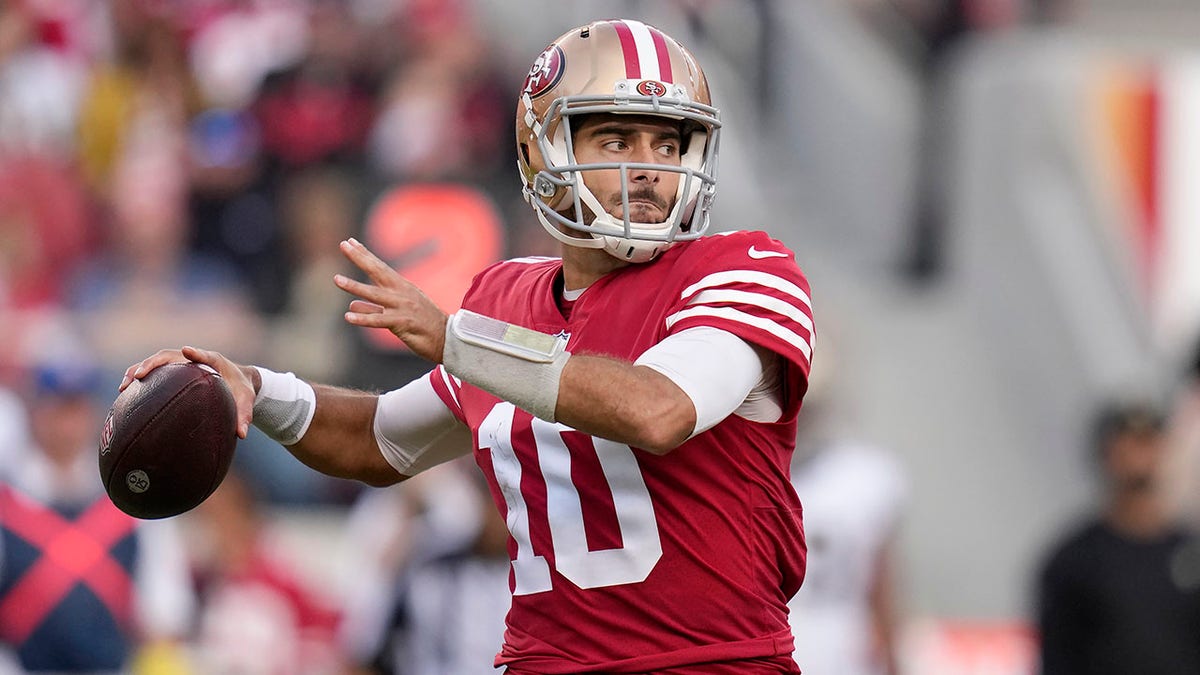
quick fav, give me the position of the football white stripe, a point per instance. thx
(749, 277)
(768, 302)
(647, 54)
(450, 387)
(730, 314)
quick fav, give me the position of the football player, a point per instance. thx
(632, 404)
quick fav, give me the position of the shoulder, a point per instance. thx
(503, 276)
(749, 258)
(750, 247)
(748, 280)
(517, 267)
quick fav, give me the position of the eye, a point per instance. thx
(615, 145)
(668, 149)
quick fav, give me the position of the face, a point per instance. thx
(635, 139)
(1133, 461)
(64, 426)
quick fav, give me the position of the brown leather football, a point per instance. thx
(168, 441)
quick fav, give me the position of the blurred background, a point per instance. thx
(995, 201)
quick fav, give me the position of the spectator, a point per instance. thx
(83, 587)
(429, 592)
(147, 86)
(256, 617)
(1183, 463)
(1121, 593)
(146, 284)
(40, 88)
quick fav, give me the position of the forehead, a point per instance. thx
(630, 123)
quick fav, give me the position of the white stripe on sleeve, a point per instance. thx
(749, 277)
(446, 378)
(768, 302)
(730, 314)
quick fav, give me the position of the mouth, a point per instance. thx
(646, 203)
(646, 212)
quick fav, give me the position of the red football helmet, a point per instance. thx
(622, 67)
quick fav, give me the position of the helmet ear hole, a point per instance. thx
(524, 149)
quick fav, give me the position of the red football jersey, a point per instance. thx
(622, 560)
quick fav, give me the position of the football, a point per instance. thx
(168, 441)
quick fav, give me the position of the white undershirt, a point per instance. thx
(720, 372)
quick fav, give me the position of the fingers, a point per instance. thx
(362, 307)
(239, 384)
(362, 257)
(375, 294)
(139, 370)
(370, 319)
(209, 358)
(242, 390)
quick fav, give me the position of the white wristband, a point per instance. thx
(519, 365)
(284, 406)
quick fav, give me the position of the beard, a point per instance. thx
(649, 201)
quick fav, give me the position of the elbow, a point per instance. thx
(661, 430)
(382, 478)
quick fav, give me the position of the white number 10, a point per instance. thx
(641, 547)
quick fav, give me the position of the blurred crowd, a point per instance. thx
(177, 172)
(180, 172)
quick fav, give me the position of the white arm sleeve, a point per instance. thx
(415, 430)
(721, 373)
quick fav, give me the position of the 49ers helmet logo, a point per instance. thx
(651, 88)
(546, 71)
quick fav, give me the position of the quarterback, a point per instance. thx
(632, 404)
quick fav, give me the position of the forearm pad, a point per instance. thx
(519, 365)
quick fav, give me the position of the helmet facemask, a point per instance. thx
(578, 209)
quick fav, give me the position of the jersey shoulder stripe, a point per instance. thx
(768, 280)
(791, 337)
(447, 387)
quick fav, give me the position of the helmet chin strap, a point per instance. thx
(580, 242)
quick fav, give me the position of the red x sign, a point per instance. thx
(72, 553)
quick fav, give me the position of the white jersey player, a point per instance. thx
(853, 495)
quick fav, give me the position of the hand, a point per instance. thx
(243, 381)
(394, 303)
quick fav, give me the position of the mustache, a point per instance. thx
(644, 194)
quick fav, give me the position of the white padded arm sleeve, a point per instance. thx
(416, 431)
(721, 373)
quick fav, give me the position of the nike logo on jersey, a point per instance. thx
(759, 255)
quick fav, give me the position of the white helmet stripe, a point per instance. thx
(647, 51)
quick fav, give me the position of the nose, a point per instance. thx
(643, 154)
